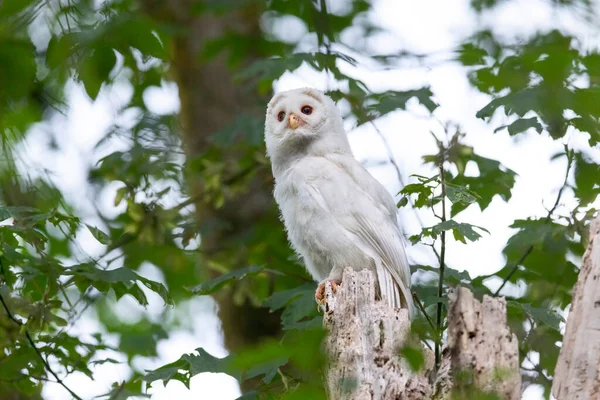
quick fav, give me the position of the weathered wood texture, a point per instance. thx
(577, 373)
(364, 340)
(365, 337)
(484, 353)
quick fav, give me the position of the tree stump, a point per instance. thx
(484, 353)
(577, 373)
(364, 341)
(365, 337)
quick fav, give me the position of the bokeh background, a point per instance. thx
(136, 217)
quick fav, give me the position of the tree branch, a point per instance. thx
(516, 265)
(422, 308)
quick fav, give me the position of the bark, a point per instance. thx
(365, 338)
(210, 100)
(484, 353)
(577, 373)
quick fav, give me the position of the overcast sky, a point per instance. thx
(425, 26)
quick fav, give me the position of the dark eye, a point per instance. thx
(281, 116)
(306, 110)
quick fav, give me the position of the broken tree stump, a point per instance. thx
(484, 353)
(366, 335)
(364, 341)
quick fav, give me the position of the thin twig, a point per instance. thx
(514, 269)
(62, 28)
(400, 180)
(422, 308)
(37, 351)
(389, 153)
(548, 218)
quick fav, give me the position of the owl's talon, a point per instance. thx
(320, 293)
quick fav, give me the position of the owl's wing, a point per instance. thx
(370, 223)
(393, 271)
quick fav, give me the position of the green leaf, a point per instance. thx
(269, 369)
(460, 230)
(519, 103)
(300, 307)
(204, 362)
(168, 372)
(414, 356)
(190, 365)
(60, 48)
(521, 125)
(469, 54)
(213, 285)
(11, 7)
(157, 288)
(17, 71)
(122, 280)
(301, 349)
(543, 315)
(460, 194)
(414, 239)
(95, 69)
(390, 101)
(403, 202)
(432, 300)
(587, 174)
(537, 244)
(587, 124)
(141, 34)
(99, 235)
(494, 179)
(423, 189)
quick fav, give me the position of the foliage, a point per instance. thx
(546, 84)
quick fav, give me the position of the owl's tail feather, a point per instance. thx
(393, 291)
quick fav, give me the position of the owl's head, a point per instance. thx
(303, 121)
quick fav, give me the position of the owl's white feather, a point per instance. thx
(335, 213)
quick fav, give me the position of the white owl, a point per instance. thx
(335, 213)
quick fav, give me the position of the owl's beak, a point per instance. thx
(295, 121)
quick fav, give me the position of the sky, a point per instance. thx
(424, 26)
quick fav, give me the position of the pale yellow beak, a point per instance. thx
(295, 121)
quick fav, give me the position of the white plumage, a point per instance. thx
(335, 213)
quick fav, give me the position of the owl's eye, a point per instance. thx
(281, 116)
(306, 110)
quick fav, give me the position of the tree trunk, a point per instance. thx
(210, 101)
(577, 373)
(366, 335)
